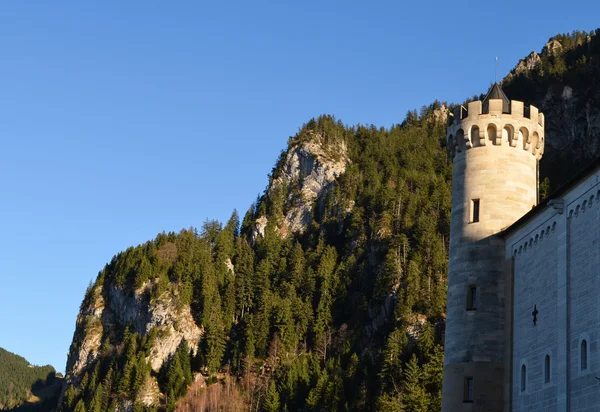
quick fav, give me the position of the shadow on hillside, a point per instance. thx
(45, 395)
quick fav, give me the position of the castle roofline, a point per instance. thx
(558, 193)
(496, 93)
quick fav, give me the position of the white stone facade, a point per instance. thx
(556, 255)
(519, 262)
(495, 152)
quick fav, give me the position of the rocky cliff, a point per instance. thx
(140, 311)
(305, 173)
(108, 310)
(111, 309)
(563, 81)
(331, 293)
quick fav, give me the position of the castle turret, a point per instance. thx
(495, 145)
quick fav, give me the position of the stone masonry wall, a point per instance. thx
(584, 298)
(556, 256)
(535, 285)
(503, 178)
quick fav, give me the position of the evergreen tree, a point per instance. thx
(271, 403)
(414, 396)
(96, 403)
(294, 312)
(80, 407)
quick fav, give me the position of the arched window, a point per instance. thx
(535, 141)
(475, 136)
(583, 355)
(524, 136)
(491, 133)
(547, 369)
(460, 140)
(523, 378)
(508, 134)
(451, 145)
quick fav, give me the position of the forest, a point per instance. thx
(347, 314)
(294, 317)
(19, 381)
(565, 85)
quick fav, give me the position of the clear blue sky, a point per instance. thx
(122, 119)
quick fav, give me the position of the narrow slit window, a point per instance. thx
(468, 395)
(472, 301)
(523, 378)
(475, 210)
(583, 355)
(547, 369)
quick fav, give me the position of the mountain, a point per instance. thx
(26, 387)
(330, 293)
(563, 81)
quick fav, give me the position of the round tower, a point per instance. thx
(495, 145)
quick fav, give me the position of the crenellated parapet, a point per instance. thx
(495, 122)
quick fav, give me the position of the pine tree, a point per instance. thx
(80, 407)
(414, 396)
(107, 384)
(388, 402)
(96, 403)
(141, 372)
(545, 188)
(271, 403)
(183, 353)
(391, 369)
(93, 382)
(244, 268)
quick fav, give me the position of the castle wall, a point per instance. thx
(535, 278)
(503, 178)
(584, 294)
(556, 261)
(545, 265)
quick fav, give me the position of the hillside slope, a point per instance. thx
(563, 81)
(330, 292)
(26, 387)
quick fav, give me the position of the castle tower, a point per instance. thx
(495, 146)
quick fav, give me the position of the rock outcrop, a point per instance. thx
(570, 103)
(110, 309)
(309, 170)
(527, 64)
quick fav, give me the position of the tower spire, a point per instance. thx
(496, 81)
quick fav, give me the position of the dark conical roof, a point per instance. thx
(496, 93)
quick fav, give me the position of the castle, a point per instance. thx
(523, 309)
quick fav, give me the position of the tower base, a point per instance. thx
(487, 387)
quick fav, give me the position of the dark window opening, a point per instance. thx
(583, 355)
(475, 211)
(472, 302)
(547, 369)
(468, 395)
(523, 378)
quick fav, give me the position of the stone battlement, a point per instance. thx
(494, 122)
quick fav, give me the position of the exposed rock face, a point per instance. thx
(440, 115)
(259, 228)
(111, 309)
(230, 266)
(571, 110)
(572, 129)
(526, 64)
(381, 314)
(415, 324)
(552, 47)
(149, 394)
(87, 339)
(309, 170)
